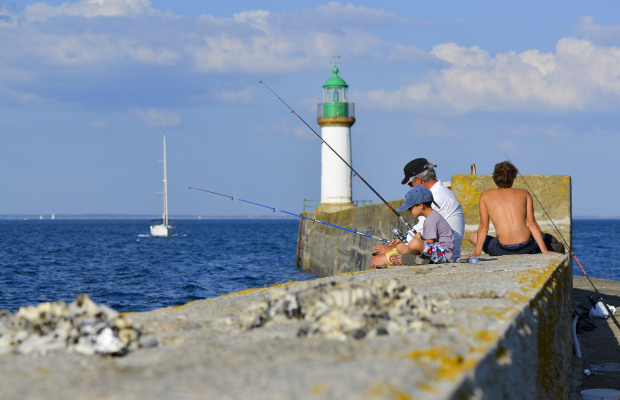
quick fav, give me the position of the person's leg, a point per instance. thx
(379, 259)
(458, 241)
(391, 258)
(553, 244)
(473, 238)
(416, 246)
(412, 257)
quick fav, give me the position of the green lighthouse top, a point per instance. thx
(335, 81)
(336, 99)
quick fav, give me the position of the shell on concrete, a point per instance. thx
(346, 309)
(82, 327)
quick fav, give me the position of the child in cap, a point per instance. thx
(437, 244)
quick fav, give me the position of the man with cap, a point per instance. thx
(420, 172)
(435, 246)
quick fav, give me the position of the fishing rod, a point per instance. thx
(568, 247)
(297, 215)
(400, 218)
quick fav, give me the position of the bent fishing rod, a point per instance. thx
(400, 217)
(297, 215)
(568, 247)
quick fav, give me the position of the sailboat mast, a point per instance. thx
(165, 184)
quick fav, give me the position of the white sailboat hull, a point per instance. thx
(160, 230)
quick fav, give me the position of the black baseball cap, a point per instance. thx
(413, 168)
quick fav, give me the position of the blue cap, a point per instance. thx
(417, 195)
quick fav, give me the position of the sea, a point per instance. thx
(117, 263)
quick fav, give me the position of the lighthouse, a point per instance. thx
(335, 116)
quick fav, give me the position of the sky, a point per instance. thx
(88, 87)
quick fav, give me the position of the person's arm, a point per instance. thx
(429, 241)
(533, 226)
(419, 227)
(483, 228)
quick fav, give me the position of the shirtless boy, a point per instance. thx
(512, 213)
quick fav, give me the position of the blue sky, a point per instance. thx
(87, 87)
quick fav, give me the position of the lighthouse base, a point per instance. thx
(333, 207)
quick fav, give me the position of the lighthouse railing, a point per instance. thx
(335, 110)
(310, 204)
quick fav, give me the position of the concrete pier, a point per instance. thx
(327, 251)
(496, 330)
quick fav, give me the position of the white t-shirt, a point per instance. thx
(450, 209)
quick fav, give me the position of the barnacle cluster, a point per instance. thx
(81, 327)
(351, 309)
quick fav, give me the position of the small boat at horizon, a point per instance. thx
(164, 228)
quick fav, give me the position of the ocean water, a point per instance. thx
(119, 264)
(595, 244)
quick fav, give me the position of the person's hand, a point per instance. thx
(380, 249)
(550, 252)
(395, 241)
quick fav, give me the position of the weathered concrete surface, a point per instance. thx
(326, 250)
(507, 336)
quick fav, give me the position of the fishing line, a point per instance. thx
(568, 247)
(297, 215)
(400, 218)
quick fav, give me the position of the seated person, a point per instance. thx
(512, 213)
(420, 172)
(437, 245)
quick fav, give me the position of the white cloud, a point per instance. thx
(158, 118)
(145, 54)
(606, 35)
(575, 77)
(40, 12)
(283, 127)
(302, 132)
(7, 20)
(239, 96)
(580, 75)
(340, 16)
(506, 146)
(23, 97)
(426, 128)
(462, 57)
(551, 131)
(99, 124)
(254, 41)
(259, 41)
(255, 19)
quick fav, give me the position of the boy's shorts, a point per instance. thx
(435, 252)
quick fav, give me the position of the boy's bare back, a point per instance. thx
(509, 210)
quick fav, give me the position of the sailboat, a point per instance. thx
(163, 229)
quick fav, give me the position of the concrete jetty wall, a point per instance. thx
(327, 251)
(499, 329)
(530, 359)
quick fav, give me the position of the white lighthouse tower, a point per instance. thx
(335, 116)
